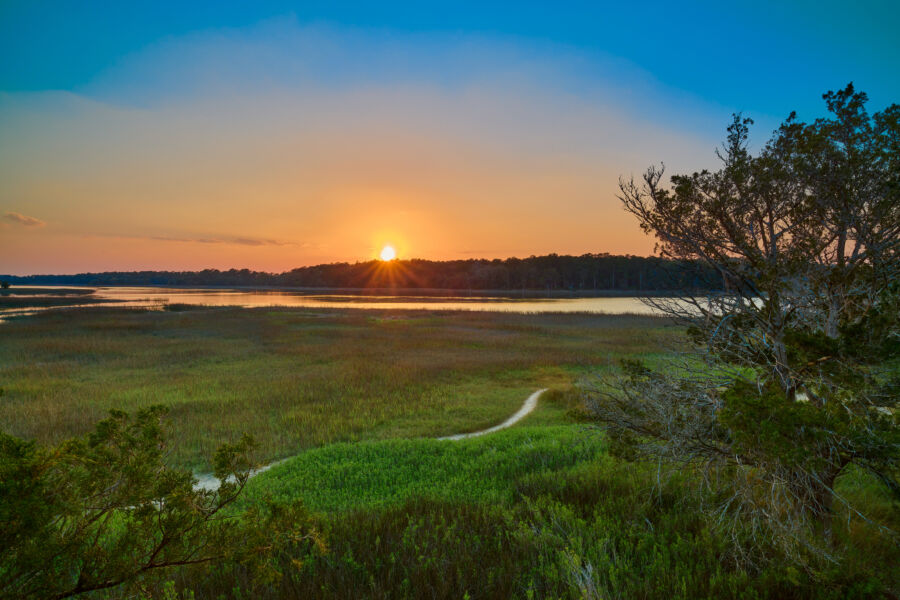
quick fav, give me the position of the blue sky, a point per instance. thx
(270, 135)
(755, 56)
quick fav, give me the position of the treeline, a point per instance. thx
(588, 272)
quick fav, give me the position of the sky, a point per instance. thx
(272, 135)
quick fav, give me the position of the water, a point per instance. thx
(157, 297)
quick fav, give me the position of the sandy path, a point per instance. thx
(208, 481)
(530, 405)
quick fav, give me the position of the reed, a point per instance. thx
(297, 378)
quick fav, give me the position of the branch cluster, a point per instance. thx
(793, 374)
(103, 511)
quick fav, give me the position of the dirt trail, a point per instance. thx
(530, 405)
(208, 481)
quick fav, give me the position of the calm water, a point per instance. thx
(157, 297)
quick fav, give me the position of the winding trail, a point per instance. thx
(530, 405)
(208, 481)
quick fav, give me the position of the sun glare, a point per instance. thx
(388, 253)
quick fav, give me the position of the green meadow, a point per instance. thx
(355, 398)
(297, 379)
(540, 510)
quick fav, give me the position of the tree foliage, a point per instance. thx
(550, 272)
(103, 511)
(794, 379)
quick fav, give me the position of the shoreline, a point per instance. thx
(397, 291)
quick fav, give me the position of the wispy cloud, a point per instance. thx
(20, 219)
(240, 241)
(207, 239)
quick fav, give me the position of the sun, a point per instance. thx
(388, 253)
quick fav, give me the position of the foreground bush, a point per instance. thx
(105, 512)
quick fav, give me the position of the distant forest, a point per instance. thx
(588, 272)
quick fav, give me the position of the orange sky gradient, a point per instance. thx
(272, 176)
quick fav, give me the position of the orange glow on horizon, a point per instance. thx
(271, 200)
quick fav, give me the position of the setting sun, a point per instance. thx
(388, 253)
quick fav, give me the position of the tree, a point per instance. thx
(104, 511)
(788, 383)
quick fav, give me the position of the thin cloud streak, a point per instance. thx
(241, 241)
(218, 239)
(24, 220)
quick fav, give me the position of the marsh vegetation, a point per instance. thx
(295, 379)
(537, 511)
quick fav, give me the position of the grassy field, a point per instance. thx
(536, 511)
(345, 476)
(296, 378)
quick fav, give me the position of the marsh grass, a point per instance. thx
(344, 476)
(536, 511)
(530, 512)
(297, 378)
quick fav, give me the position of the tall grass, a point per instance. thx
(536, 511)
(531, 512)
(347, 476)
(296, 378)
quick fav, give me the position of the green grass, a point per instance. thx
(536, 511)
(346, 476)
(539, 510)
(529, 512)
(297, 378)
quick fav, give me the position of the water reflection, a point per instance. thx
(155, 297)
